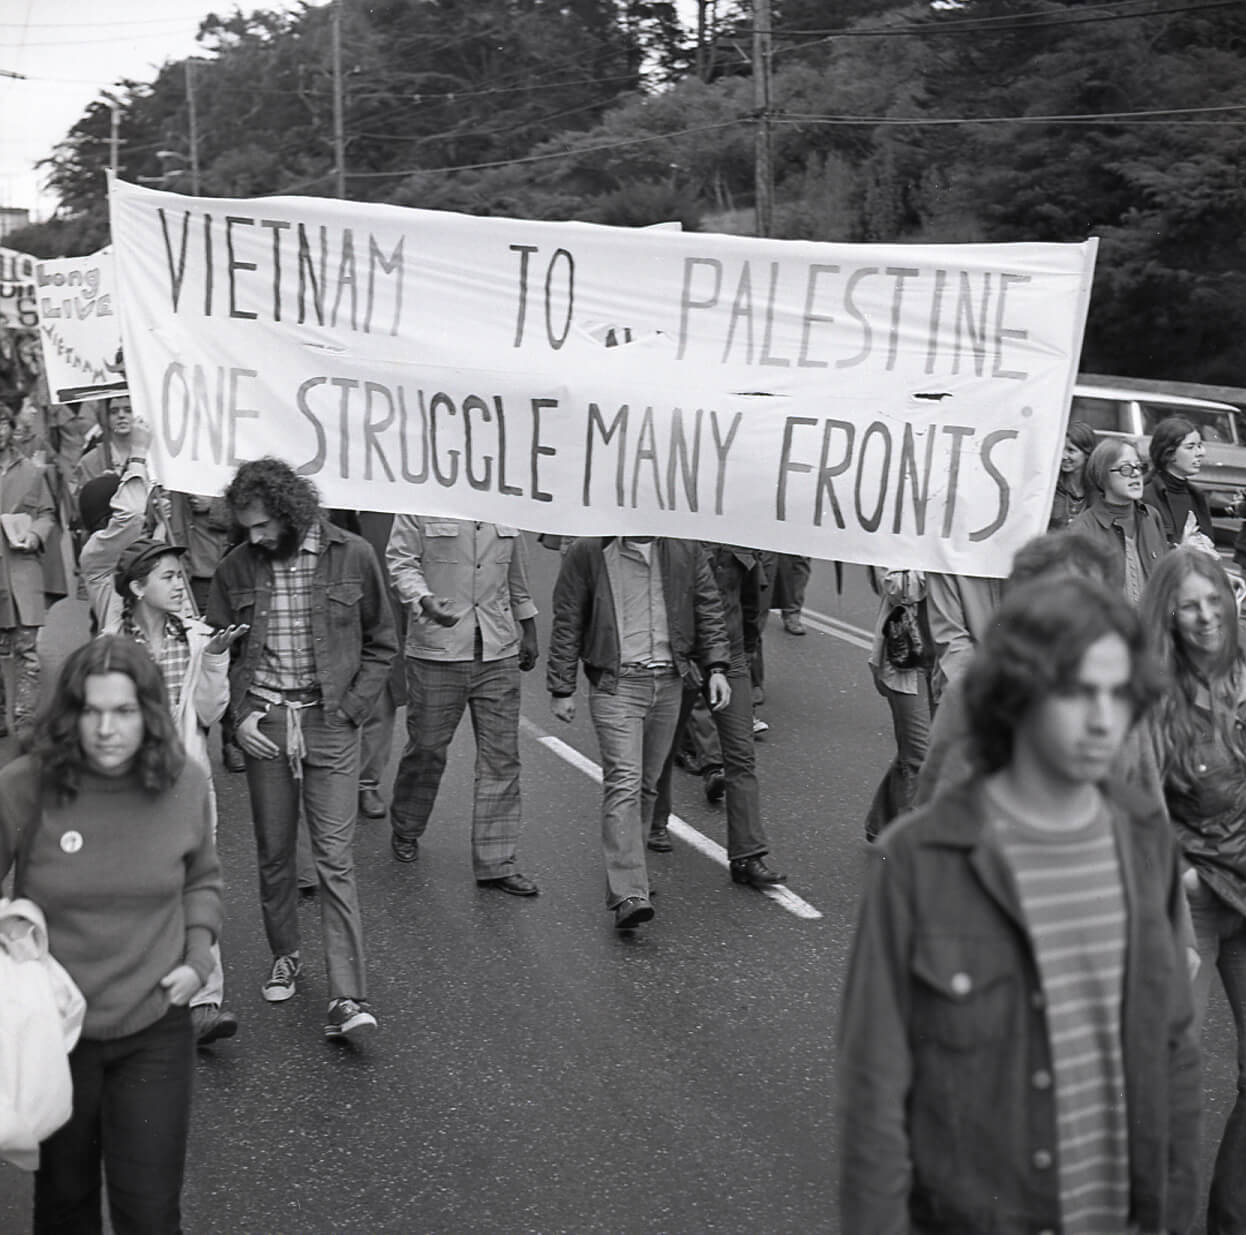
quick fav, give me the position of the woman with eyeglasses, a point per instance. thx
(1190, 615)
(1117, 515)
(1177, 451)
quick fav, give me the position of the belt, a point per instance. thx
(654, 666)
(304, 696)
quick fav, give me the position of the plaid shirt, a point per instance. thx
(287, 661)
(173, 660)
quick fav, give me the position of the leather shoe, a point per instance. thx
(233, 758)
(660, 840)
(755, 873)
(211, 1023)
(792, 624)
(405, 849)
(516, 884)
(371, 804)
(631, 912)
(715, 785)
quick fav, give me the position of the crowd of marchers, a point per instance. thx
(302, 632)
(1057, 874)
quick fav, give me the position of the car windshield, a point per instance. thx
(1214, 425)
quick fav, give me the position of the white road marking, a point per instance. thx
(677, 827)
(828, 625)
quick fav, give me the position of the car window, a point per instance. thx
(1215, 426)
(1102, 415)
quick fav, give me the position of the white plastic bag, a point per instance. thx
(41, 1011)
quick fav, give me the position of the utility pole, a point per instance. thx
(114, 128)
(764, 149)
(193, 122)
(339, 138)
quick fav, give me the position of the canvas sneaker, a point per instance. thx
(351, 1019)
(280, 984)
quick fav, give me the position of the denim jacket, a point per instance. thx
(353, 635)
(945, 1073)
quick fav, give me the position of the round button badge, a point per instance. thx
(71, 842)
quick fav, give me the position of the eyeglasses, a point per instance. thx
(1129, 469)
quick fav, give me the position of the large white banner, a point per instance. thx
(79, 328)
(885, 403)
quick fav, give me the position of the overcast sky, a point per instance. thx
(70, 50)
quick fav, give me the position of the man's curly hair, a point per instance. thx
(279, 489)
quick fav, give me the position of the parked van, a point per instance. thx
(1133, 410)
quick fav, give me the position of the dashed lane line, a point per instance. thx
(677, 827)
(841, 630)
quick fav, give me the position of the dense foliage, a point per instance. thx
(956, 120)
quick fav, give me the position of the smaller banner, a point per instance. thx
(79, 327)
(17, 290)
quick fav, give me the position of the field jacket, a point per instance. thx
(352, 627)
(948, 1109)
(585, 628)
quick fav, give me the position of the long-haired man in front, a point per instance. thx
(1017, 1051)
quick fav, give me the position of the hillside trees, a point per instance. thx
(957, 121)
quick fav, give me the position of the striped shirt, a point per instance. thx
(1073, 902)
(287, 661)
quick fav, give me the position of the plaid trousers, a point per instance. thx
(437, 694)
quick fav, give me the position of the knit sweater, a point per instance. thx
(129, 883)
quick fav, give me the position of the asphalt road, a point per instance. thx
(536, 1072)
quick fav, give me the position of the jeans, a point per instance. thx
(733, 730)
(793, 574)
(329, 793)
(437, 693)
(910, 721)
(21, 645)
(1220, 935)
(376, 736)
(131, 1113)
(635, 730)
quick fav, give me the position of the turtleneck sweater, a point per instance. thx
(128, 880)
(1179, 501)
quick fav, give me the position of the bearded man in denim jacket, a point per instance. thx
(304, 679)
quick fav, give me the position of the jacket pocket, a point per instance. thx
(344, 594)
(965, 988)
(441, 541)
(243, 602)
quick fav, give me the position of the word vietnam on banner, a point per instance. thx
(79, 328)
(899, 404)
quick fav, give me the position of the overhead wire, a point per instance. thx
(1009, 23)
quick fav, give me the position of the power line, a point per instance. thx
(556, 154)
(1073, 118)
(78, 25)
(1018, 23)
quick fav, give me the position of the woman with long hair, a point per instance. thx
(1176, 449)
(1199, 725)
(1070, 496)
(1117, 516)
(110, 826)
